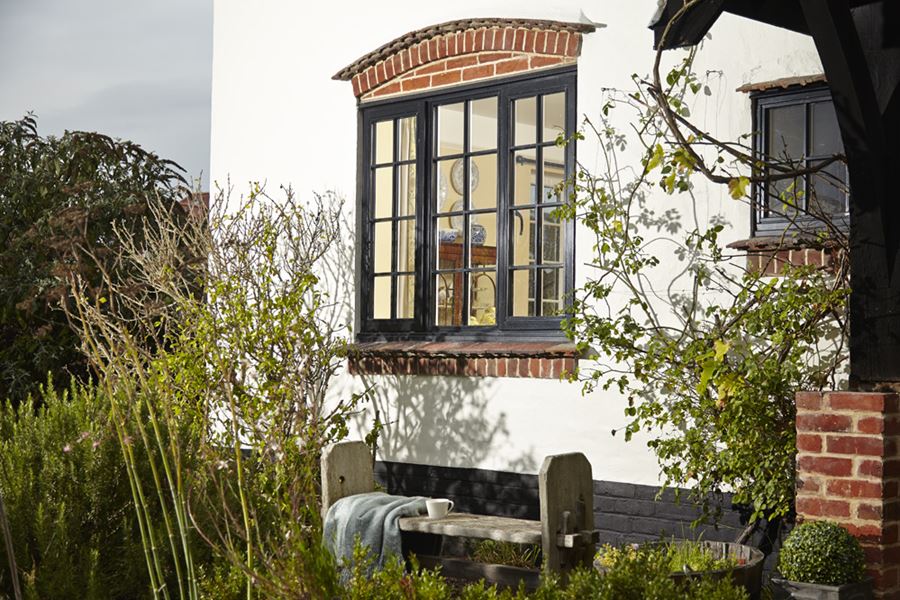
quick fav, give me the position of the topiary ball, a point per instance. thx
(821, 552)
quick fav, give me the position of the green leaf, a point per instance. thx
(737, 187)
(706, 374)
(721, 349)
(656, 157)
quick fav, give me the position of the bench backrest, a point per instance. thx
(346, 470)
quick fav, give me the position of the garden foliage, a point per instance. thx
(821, 552)
(59, 199)
(216, 349)
(67, 500)
(709, 354)
(640, 575)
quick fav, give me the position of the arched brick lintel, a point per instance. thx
(463, 51)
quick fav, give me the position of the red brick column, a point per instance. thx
(848, 470)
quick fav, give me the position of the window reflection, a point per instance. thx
(498, 250)
(392, 218)
(537, 236)
(801, 131)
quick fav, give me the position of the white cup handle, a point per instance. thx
(449, 510)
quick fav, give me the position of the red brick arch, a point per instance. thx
(461, 52)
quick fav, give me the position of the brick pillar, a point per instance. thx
(848, 470)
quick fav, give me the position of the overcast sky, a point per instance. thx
(139, 70)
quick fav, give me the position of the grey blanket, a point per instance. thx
(373, 518)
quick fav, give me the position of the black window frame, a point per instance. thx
(423, 106)
(761, 224)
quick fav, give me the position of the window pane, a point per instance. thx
(553, 241)
(828, 194)
(523, 223)
(785, 195)
(450, 248)
(381, 296)
(450, 129)
(555, 158)
(483, 240)
(483, 299)
(483, 181)
(524, 176)
(406, 296)
(521, 290)
(554, 173)
(554, 116)
(384, 141)
(384, 192)
(825, 137)
(525, 119)
(407, 127)
(483, 124)
(449, 299)
(449, 198)
(406, 245)
(785, 132)
(406, 194)
(552, 289)
(382, 247)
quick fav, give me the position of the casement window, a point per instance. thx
(459, 192)
(799, 128)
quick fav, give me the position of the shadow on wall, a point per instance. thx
(427, 420)
(439, 421)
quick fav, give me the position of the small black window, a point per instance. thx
(459, 191)
(799, 129)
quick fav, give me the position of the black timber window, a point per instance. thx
(798, 129)
(459, 192)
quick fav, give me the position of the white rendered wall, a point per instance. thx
(278, 117)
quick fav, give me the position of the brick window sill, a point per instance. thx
(771, 255)
(539, 360)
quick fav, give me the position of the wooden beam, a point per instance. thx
(778, 13)
(690, 28)
(696, 23)
(872, 158)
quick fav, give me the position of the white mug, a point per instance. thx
(438, 507)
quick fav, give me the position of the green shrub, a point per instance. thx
(639, 575)
(67, 501)
(645, 572)
(821, 552)
(393, 582)
(221, 581)
(59, 198)
(239, 375)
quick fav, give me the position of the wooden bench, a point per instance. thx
(565, 532)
